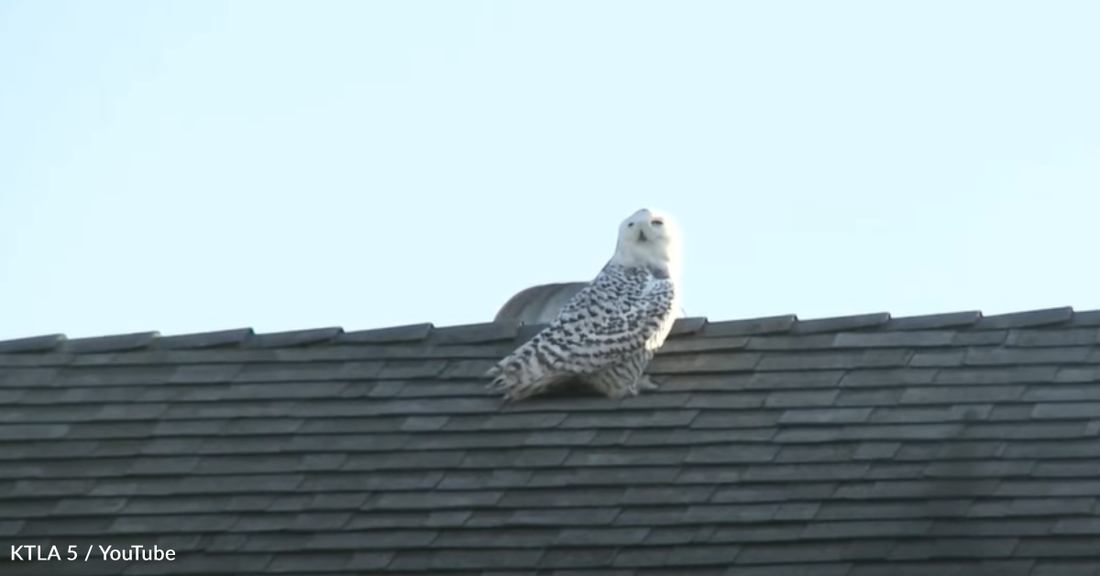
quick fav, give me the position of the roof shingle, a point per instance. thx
(854, 446)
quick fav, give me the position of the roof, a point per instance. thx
(953, 444)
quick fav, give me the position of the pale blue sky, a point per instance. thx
(202, 165)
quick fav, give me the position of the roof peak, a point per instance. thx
(503, 330)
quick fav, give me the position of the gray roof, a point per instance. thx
(943, 445)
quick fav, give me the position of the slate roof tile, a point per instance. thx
(604, 476)
(687, 326)
(847, 360)
(1045, 507)
(561, 517)
(1077, 374)
(727, 419)
(44, 343)
(115, 343)
(205, 373)
(466, 559)
(719, 555)
(1016, 356)
(883, 377)
(771, 324)
(1030, 318)
(1076, 526)
(577, 558)
(407, 333)
(955, 567)
(1066, 469)
(800, 398)
(961, 394)
(937, 358)
(708, 363)
(686, 345)
(206, 339)
(876, 450)
(292, 338)
(783, 342)
(980, 338)
(900, 339)
(110, 376)
(784, 569)
(1085, 318)
(633, 419)
(946, 444)
(996, 375)
(476, 333)
(1058, 567)
(840, 323)
(1054, 338)
(485, 479)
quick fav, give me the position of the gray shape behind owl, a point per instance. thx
(540, 304)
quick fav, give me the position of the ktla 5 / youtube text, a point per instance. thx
(74, 553)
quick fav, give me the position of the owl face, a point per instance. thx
(648, 237)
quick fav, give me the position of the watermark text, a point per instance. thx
(73, 553)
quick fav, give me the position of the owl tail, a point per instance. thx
(520, 379)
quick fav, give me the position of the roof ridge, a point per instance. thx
(485, 332)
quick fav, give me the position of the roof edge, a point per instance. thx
(503, 331)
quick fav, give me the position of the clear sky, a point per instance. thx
(200, 165)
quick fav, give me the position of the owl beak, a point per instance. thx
(641, 236)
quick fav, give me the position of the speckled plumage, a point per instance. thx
(607, 334)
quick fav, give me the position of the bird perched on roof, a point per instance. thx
(607, 334)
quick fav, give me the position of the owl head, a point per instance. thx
(649, 238)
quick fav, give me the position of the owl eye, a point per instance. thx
(630, 225)
(658, 222)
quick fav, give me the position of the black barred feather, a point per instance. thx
(605, 337)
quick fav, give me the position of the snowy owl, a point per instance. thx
(607, 334)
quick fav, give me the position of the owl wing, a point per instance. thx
(614, 317)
